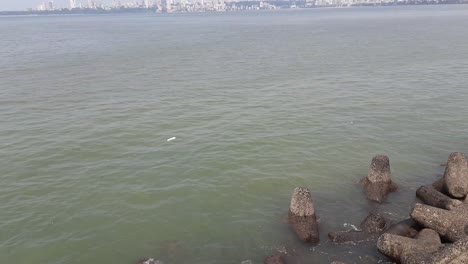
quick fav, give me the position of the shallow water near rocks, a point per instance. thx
(258, 103)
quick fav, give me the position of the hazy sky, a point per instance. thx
(24, 4)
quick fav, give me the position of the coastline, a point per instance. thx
(255, 6)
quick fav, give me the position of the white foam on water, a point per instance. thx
(352, 226)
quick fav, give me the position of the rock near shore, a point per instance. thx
(371, 228)
(302, 216)
(430, 196)
(456, 175)
(450, 224)
(378, 183)
(396, 247)
(456, 253)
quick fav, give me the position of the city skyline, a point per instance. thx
(170, 6)
(18, 5)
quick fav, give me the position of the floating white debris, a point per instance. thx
(172, 138)
(352, 226)
(150, 261)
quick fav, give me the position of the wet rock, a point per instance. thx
(371, 228)
(378, 183)
(301, 202)
(150, 261)
(396, 247)
(380, 169)
(373, 223)
(456, 175)
(438, 185)
(407, 228)
(274, 259)
(350, 237)
(450, 224)
(302, 216)
(430, 196)
(456, 253)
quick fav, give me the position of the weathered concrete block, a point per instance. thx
(430, 196)
(456, 253)
(373, 223)
(456, 175)
(378, 183)
(395, 247)
(451, 224)
(379, 170)
(301, 202)
(302, 216)
(371, 228)
(439, 185)
(407, 228)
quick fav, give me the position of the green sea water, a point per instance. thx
(259, 103)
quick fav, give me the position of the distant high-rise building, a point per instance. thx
(169, 6)
(50, 5)
(147, 4)
(166, 6)
(91, 4)
(72, 4)
(41, 7)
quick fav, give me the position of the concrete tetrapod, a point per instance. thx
(456, 253)
(371, 228)
(378, 183)
(450, 224)
(302, 216)
(395, 247)
(406, 228)
(456, 175)
(430, 196)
